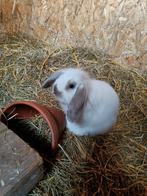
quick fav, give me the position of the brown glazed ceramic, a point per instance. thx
(28, 109)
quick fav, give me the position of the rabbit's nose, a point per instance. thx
(56, 91)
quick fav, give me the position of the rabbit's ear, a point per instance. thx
(51, 79)
(77, 104)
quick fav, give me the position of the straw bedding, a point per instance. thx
(110, 164)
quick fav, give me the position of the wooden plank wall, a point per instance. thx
(117, 27)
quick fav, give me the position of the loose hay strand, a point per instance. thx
(110, 164)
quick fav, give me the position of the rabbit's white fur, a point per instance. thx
(76, 75)
(100, 109)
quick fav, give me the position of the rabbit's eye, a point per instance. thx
(72, 85)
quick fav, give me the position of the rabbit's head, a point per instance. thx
(70, 87)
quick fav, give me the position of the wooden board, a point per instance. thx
(119, 28)
(21, 167)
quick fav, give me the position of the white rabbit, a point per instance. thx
(91, 106)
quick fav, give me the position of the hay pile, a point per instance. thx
(110, 164)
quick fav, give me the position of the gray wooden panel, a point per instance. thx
(21, 167)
